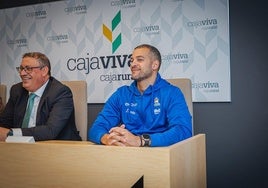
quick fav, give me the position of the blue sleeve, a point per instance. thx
(109, 117)
(179, 121)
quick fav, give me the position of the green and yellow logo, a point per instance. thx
(108, 33)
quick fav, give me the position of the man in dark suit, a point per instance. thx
(52, 116)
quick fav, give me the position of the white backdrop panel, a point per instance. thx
(192, 36)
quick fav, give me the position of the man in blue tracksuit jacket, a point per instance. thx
(149, 112)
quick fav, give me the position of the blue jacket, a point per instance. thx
(160, 111)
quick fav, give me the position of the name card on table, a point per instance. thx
(20, 139)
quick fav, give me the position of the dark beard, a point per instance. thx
(143, 77)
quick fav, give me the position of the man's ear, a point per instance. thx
(45, 71)
(155, 65)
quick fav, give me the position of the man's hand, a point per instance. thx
(120, 136)
(3, 133)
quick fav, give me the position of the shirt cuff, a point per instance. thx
(17, 132)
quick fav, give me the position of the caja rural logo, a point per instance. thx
(108, 33)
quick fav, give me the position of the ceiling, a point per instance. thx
(15, 3)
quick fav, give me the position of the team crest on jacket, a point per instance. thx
(156, 102)
(156, 105)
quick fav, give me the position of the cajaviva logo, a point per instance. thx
(20, 42)
(108, 33)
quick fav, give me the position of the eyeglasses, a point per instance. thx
(27, 69)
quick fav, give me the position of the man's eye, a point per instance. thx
(28, 68)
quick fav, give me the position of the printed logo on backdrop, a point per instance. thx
(41, 14)
(148, 30)
(124, 3)
(61, 38)
(204, 24)
(178, 58)
(107, 62)
(108, 33)
(80, 9)
(22, 42)
(208, 87)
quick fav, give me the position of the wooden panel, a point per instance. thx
(83, 164)
(188, 163)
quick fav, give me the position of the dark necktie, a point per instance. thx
(28, 112)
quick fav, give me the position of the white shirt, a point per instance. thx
(32, 121)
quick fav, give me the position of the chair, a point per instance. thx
(185, 85)
(79, 90)
(3, 94)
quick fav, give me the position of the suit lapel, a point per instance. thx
(43, 106)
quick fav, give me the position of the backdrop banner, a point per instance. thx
(93, 40)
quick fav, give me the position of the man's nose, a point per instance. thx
(133, 63)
